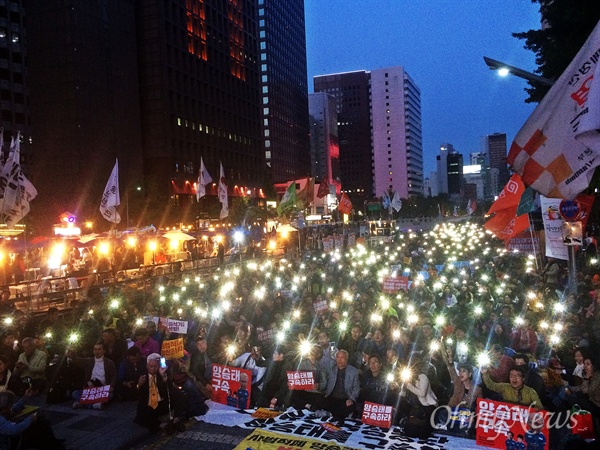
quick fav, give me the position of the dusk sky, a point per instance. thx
(441, 44)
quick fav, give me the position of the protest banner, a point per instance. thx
(172, 349)
(174, 326)
(377, 415)
(265, 335)
(268, 440)
(320, 306)
(265, 413)
(393, 285)
(231, 386)
(94, 395)
(495, 420)
(301, 380)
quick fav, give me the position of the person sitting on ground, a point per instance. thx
(116, 347)
(130, 371)
(532, 379)
(31, 365)
(375, 387)
(515, 391)
(311, 399)
(191, 399)
(156, 400)
(31, 432)
(145, 343)
(343, 388)
(201, 367)
(8, 382)
(275, 392)
(98, 371)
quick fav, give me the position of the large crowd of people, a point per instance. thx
(475, 321)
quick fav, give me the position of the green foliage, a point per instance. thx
(567, 24)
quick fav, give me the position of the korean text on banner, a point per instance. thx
(268, 440)
(231, 386)
(377, 415)
(301, 380)
(174, 326)
(172, 349)
(94, 395)
(497, 419)
(553, 224)
(558, 147)
(393, 285)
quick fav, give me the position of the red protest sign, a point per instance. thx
(301, 380)
(377, 415)
(94, 395)
(495, 420)
(392, 285)
(231, 386)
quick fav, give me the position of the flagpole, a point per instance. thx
(533, 241)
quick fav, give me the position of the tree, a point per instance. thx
(566, 26)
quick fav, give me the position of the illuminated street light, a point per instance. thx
(504, 69)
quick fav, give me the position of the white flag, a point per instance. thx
(559, 146)
(16, 191)
(110, 198)
(203, 179)
(223, 194)
(396, 202)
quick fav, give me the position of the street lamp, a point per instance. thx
(504, 69)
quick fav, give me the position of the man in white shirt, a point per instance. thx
(98, 371)
(255, 362)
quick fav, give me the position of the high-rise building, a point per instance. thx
(495, 147)
(200, 96)
(158, 84)
(396, 127)
(379, 128)
(442, 167)
(351, 93)
(284, 88)
(324, 143)
(14, 92)
(85, 104)
(455, 173)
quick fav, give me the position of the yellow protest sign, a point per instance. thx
(267, 440)
(172, 349)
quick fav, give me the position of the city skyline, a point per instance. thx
(424, 36)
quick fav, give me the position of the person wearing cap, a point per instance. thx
(156, 399)
(201, 366)
(515, 390)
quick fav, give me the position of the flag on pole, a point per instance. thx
(557, 149)
(111, 198)
(305, 196)
(385, 201)
(396, 202)
(223, 194)
(509, 196)
(506, 224)
(345, 205)
(323, 188)
(16, 191)
(288, 201)
(204, 178)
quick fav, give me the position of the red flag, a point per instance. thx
(509, 196)
(345, 204)
(323, 188)
(506, 224)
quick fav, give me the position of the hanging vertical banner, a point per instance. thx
(110, 198)
(553, 225)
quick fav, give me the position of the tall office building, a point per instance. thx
(158, 84)
(199, 84)
(351, 91)
(85, 113)
(495, 147)
(442, 167)
(14, 93)
(324, 142)
(455, 173)
(379, 119)
(396, 127)
(284, 88)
